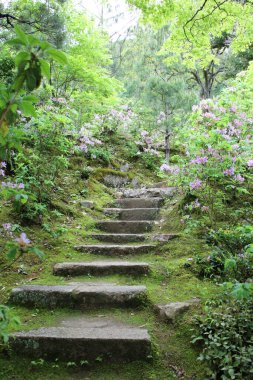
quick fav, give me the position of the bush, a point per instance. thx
(226, 334)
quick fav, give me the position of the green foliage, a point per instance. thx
(225, 333)
(30, 68)
(192, 23)
(6, 318)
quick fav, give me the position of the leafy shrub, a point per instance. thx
(226, 335)
(232, 239)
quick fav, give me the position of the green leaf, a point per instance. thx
(27, 108)
(22, 56)
(37, 252)
(45, 68)
(20, 34)
(33, 41)
(15, 41)
(12, 253)
(31, 98)
(57, 55)
(230, 264)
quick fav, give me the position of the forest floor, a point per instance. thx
(173, 355)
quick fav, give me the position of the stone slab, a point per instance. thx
(125, 226)
(78, 295)
(132, 213)
(79, 339)
(119, 238)
(100, 268)
(172, 310)
(115, 249)
(139, 202)
(149, 192)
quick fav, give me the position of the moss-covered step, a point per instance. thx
(115, 249)
(84, 339)
(133, 213)
(139, 202)
(126, 226)
(150, 192)
(100, 268)
(79, 295)
(119, 238)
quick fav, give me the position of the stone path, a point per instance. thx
(86, 338)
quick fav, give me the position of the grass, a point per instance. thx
(168, 281)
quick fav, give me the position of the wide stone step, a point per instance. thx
(100, 268)
(139, 202)
(150, 192)
(78, 295)
(132, 213)
(115, 249)
(119, 238)
(84, 339)
(127, 226)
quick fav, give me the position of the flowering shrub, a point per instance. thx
(12, 190)
(218, 163)
(116, 120)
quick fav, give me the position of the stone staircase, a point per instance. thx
(87, 338)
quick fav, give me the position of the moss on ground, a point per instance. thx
(168, 281)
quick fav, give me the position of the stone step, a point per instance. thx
(139, 202)
(81, 339)
(132, 213)
(78, 295)
(125, 226)
(149, 192)
(100, 268)
(119, 238)
(115, 249)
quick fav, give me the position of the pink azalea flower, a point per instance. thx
(23, 241)
(196, 184)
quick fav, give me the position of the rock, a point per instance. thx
(115, 180)
(163, 237)
(115, 249)
(87, 204)
(127, 227)
(124, 168)
(100, 268)
(80, 339)
(172, 310)
(132, 213)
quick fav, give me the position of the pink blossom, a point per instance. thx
(195, 108)
(205, 208)
(239, 178)
(23, 241)
(3, 164)
(196, 184)
(233, 108)
(250, 163)
(199, 160)
(230, 171)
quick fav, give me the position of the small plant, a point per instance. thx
(6, 319)
(225, 334)
(19, 247)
